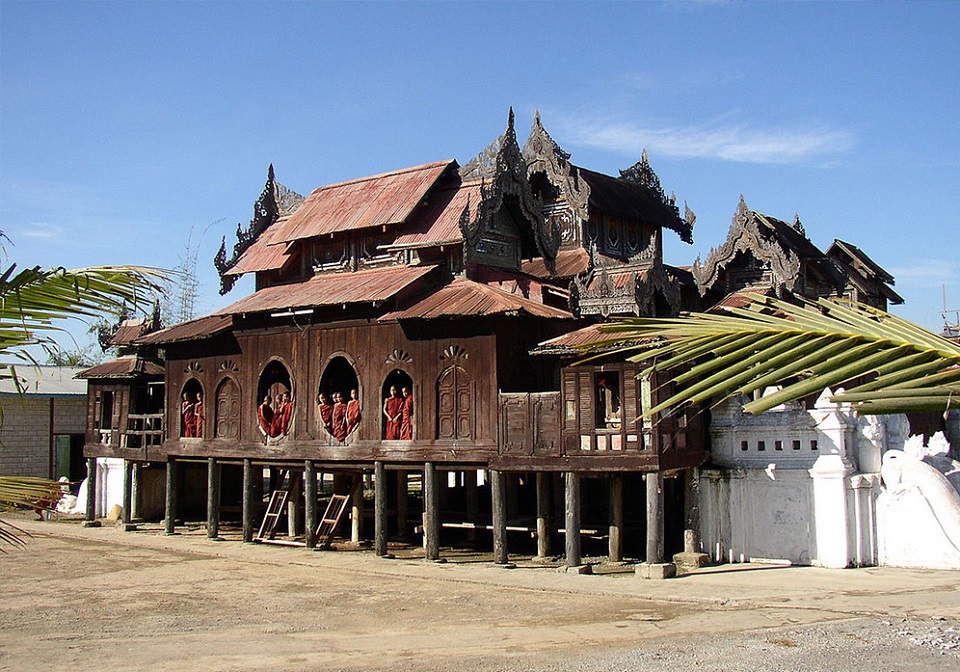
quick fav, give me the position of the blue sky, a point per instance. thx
(126, 128)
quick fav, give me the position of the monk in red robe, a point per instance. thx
(281, 419)
(325, 411)
(198, 416)
(339, 417)
(353, 411)
(265, 416)
(393, 411)
(187, 417)
(406, 415)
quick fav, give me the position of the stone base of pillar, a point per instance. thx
(577, 569)
(91, 523)
(656, 570)
(687, 562)
(129, 527)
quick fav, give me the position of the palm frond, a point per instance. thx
(888, 364)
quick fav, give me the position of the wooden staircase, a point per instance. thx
(275, 509)
(335, 509)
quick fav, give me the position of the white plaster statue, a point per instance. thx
(919, 509)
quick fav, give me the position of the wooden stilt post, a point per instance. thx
(356, 514)
(473, 505)
(498, 497)
(90, 519)
(125, 516)
(247, 500)
(310, 503)
(544, 516)
(171, 501)
(431, 514)
(380, 509)
(213, 498)
(615, 534)
(402, 505)
(136, 473)
(572, 519)
(293, 504)
(654, 482)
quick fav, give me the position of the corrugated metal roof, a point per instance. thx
(123, 367)
(572, 343)
(47, 381)
(468, 298)
(331, 289)
(129, 331)
(263, 254)
(194, 330)
(567, 264)
(373, 201)
(439, 221)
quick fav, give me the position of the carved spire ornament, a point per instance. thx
(509, 178)
(544, 155)
(641, 173)
(275, 200)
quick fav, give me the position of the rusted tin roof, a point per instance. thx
(568, 264)
(463, 298)
(572, 343)
(194, 330)
(263, 254)
(123, 367)
(331, 289)
(374, 201)
(438, 222)
(129, 331)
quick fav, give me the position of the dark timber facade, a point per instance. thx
(425, 321)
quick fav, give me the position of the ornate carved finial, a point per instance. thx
(798, 225)
(275, 199)
(689, 216)
(642, 173)
(509, 177)
(544, 155)
(742, 210)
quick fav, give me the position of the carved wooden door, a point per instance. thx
(228, 410)
(455, 404)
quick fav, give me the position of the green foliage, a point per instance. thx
(889, 365)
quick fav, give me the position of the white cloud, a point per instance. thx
(927, 273)
(40, 230)
(718, 140)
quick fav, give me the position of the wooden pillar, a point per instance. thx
(213, 498)
(431, 514)
(310, 503)
(247, 500)
(615, 530)
(654, 483)
(171, 501)
(127, 504)
(90, 519)
(380, 509)
(402, 505)
(544, 533)
(136, 475)
(498, 497)
(472, 494)
(571, 493)
(356, 513)
(293, 503)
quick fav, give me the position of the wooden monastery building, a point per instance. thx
(414, 334)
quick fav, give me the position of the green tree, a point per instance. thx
(33, 301)
(886, 364)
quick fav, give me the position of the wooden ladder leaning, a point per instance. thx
(275, 508)
(334, 513)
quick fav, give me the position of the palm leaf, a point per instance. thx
(888, 364)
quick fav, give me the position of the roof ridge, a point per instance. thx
(391, 173)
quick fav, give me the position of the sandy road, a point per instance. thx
(100, 600)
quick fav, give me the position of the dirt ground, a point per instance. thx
(102, 599)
